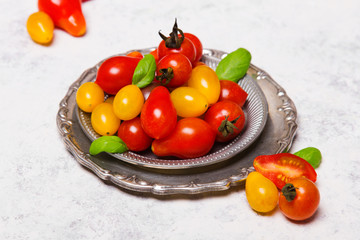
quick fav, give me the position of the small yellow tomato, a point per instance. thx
(110, 99)
(261, 193)
(104, 121)
(205, 80)
(128, 102)
(189, 102)
(88, 96)
(40, 27)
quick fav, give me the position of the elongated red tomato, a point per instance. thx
(282, 168)
(158, 115)
(66, 14)
(191, 138)
(115, 73)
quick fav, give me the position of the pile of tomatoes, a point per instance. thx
(283, 180)
(177, 107)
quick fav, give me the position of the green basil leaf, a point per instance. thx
(234, 66)
(311, 155)
(145, 71)
(110, 144)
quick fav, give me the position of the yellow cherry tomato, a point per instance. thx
(110, 99)
(40, 27)
(261, 193)
(205, 80)
(88, 96)
(128, 102)
(104, 121)
(189, 102)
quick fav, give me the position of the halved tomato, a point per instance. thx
(282, 168)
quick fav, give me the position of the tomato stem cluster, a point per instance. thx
(289, 192)
(174, 41)
(166, 75)
(227, 127)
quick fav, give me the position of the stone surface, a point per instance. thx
(311, 48)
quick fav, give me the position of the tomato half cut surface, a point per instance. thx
(281, 168)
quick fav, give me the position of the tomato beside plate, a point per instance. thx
(282, 168)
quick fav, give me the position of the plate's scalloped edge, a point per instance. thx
(288, 107)
(135, 183)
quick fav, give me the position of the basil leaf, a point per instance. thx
(110, 144)
(311, 155)
(234, 66)
(145, 71)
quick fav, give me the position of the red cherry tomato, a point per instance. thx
(227, 119)
(197, 44)
(158, 115)
(174, 70)
(66, 14)
(133, 135)
(115, 73)
(233, 92)
(191, 138)
(187, 48)
(282, 168)
(300, 199)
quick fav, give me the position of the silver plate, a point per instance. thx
(255, 109)
(277, 136)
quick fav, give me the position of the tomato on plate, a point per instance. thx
(227, 119)
(158, 115)
(189, 102)
(261, 193)
(88, 96)
(232, 91)
(173, 70)
(205, 80)
(299, 199)
(282, 168)
(176, 44)
(103, 120)
(128, 102)
(135, 54)
(191, 138)
(197, 44)
(115, 73)
(133, 135)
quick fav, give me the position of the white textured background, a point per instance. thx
(311, 48)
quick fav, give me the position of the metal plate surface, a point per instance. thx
(277, 136)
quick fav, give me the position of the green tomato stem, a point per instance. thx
(289, 192)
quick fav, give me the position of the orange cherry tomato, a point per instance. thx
(299, 199)
(40, 27)
(135, 54)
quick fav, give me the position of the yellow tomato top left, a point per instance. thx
(88, 96)
(40, 27)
